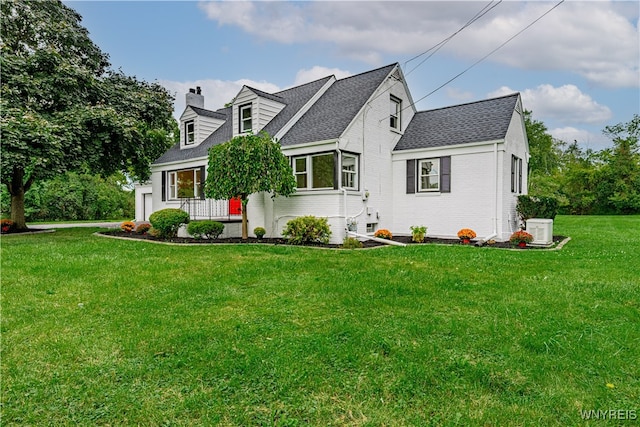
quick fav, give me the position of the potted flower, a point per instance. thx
(465, 235)
(418, 232)
(259, 232)
(520, 238)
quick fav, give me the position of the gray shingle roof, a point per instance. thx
(266, 95)
(208, 113)
(479, 121)
(294, 98)
(331, 114)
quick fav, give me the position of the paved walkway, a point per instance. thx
(74, 225)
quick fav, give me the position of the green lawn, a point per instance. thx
(104, 331)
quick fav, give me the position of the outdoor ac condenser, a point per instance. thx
(541, 230)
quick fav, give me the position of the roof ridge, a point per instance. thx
(303, 84)
(470, 103)
(369, 71)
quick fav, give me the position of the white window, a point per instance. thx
(371, 227)
(516, 174)
(349, 171)
(396, 108)
(429, 175)
(189, 132)
(185, 184)
(315, 172)
(300, 171)
(245, 118)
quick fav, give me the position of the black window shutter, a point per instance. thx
(164, 186)
(202, 182)
(519, 175)
(445, 174)
(411, 176)
(513, 174)
(336, 162)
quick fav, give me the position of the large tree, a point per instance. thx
(63, 108)
(245, 165)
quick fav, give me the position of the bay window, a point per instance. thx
(320, 171)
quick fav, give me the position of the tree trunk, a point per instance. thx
(17, 188)
(245, 231)
(17, 211)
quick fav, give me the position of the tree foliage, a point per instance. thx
(584, 181)
(245, 165)
(76, 196)
(62, 107)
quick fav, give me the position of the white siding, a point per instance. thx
(204, 126)
(470, 204)
(516, 144)
(262, 110)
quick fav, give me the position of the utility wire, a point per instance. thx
(487, 55)
(486, 9)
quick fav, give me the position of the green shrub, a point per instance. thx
(536, 207)
(307, 229)
(418, 232)
(208, 229)
(168, 221)
(259, 232)
(351, 243)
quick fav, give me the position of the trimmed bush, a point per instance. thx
(307, 229)
(536, 207)
(167, 222)
(259, 232)
(143, 228)
(351, 243)
(205, 229)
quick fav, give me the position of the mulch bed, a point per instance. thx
(281, 241)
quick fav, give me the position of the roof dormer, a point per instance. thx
(253, 109)
(196, 122)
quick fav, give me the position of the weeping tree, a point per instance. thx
(63, 108)
(245, 165)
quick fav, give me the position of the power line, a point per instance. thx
(487, 55)
(486, 9)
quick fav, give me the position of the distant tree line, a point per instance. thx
(586, 182)
(76, 196)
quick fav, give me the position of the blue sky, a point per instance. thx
(577, 67)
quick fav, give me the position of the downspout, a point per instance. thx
(494, 234)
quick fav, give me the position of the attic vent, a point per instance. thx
(396, 75)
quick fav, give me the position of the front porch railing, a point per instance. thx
(209, 209)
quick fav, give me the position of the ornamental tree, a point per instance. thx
(245, 165)
(63, 109)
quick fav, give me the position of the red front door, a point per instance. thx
(235, 206)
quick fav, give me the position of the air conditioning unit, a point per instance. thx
(541, 230)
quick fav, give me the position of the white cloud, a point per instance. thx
(216, 92)
(564, 104)
(598, 40)
(318, 72)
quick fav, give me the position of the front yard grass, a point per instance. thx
(112, 332)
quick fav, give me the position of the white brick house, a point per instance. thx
(362, 155)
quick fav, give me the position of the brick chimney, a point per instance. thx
(195, 98)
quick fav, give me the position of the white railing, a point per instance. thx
(207, 209)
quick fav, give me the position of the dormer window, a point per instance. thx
(189, 133)
(396, 108)
(245, 118)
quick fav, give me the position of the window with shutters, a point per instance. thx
(185, 184)
(432, 175)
